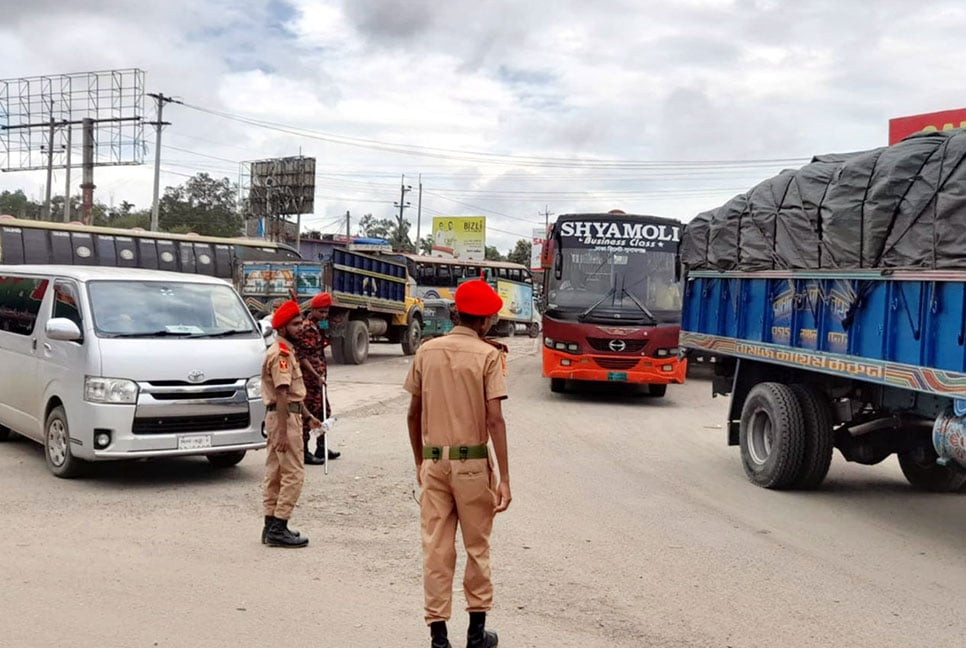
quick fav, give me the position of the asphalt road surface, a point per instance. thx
(632, 525)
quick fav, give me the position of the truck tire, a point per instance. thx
(356, 348)
(338, 350)
(819, 437)
(772, 436)
(533, 330)
(557, 385)
(921, 470)
(413, 336)
(61, 462)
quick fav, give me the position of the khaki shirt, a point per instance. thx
(281, 368)
(455, 375)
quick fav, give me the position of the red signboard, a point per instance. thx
(902, 127)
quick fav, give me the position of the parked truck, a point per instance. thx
(371, 298)
(835, 298)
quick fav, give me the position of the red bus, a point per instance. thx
(612, 301)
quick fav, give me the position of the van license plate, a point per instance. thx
(617, 376)
(194, 442)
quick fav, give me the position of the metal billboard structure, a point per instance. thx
(39, 114)
(273, 189)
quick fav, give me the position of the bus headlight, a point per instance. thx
(560, 345)
(254, 387)
(110, 390)
(665, 353)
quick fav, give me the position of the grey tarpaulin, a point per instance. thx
(694, 245)
(902, 206)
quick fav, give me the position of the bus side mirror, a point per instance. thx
(677, 268)
(557, 265)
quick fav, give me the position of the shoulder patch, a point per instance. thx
(283, 364)
(283, 348)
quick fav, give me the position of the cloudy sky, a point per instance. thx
(504, 108)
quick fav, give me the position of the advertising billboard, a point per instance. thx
(517, 300)
(536, 248)
(902, 127)
(459, 237)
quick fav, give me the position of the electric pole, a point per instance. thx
(402, 204)
(348, 229)
(419, 214)
(546, 219)
(50, 165)
(159, 124)
(67, 182)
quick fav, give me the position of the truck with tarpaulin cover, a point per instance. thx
(836, 296)
(612, 307)
(371, 297)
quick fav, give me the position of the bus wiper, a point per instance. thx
(225, 333)
(638, 303)
(600, 301)
(148, 334)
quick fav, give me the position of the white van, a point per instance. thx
(116, 363)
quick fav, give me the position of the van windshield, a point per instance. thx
(161, 309)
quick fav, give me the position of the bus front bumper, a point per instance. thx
(610, 368)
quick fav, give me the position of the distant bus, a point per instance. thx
(437, 278)
(41, 242)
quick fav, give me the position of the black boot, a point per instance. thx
(477, 636)
(279, 535)
(437, 630)
(268, 524)
(311, 459)
(320, 453)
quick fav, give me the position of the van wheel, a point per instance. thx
(60, 461)
(226, 459)
(356, 348)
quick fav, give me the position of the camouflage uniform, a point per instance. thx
(310, 345)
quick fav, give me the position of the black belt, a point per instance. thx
(293, 408)
(455, 452)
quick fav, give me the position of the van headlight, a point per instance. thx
(254, 387)
(110, 390)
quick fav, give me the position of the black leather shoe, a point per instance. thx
(486, 640)
(312, 460)
(440, 643)
(279, 535)
(320, 452)
(268, 524)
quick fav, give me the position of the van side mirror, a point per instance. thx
(265, 327)
(61, 328)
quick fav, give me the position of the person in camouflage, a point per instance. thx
(310, 346)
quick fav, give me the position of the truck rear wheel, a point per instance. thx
(356, 348)
(819, 437)
(772, 436)
(533, 330)
(921, 470)
(413, 337)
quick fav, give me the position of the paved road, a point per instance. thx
(632, 525)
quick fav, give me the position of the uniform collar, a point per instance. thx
(463, 330)
(280, 340)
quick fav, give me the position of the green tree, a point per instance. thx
(16, 204)
(521, 252)
(490, 253)
(389, 229)
(203, 205)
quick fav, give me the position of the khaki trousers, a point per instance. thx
(456, 493)
(284, 471)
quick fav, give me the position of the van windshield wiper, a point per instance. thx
(225, 333)
(148, 334)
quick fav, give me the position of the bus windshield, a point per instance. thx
(614, 282)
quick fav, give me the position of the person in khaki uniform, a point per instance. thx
(284, 392)
(457, 385)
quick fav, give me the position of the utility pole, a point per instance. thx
(87, 169)
(348, 229)
(419, 214)
(70, 128)
(402, 204)
(546, 219)
(159, 124)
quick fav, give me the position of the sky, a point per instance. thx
(503, 109)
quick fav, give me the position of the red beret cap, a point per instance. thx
(322, 300)
(476, 297)
(285, 314)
